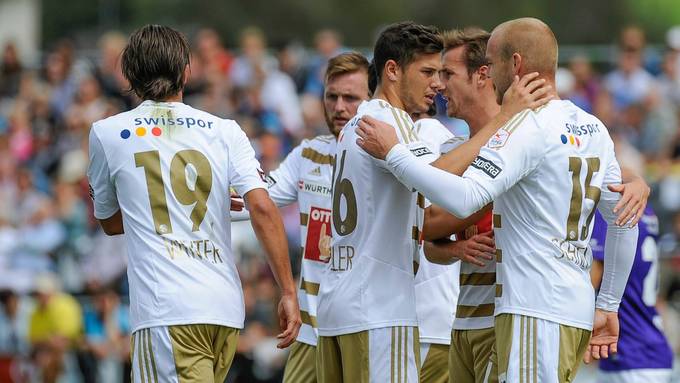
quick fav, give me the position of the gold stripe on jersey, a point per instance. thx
(499, 290)
(421, 201)
(316, 157)
(516, 121)
(415, 233)
(404, 136)
(497, 222)
(410, 129)
(478, 279)
(521, 349)
(308, 319)
(139, 358)
(392, 355)
(151, 355)
(304, 219)
(485, 310)
(399, 354)
(499, 256)
(310, 288)
(144, 334)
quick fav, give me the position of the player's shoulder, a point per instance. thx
(319, 150)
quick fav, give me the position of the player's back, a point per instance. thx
(171, 167)
(369, 282)
(642, 344)
(543, 222)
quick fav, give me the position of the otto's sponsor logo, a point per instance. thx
(418, 152)
(579, 256)
(488, 167)
(314, 188)
(318, 243)
(499, 139)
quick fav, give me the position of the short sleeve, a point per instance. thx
(283, 182)
(612, 175)
(245, 173)
(513, 152)
(102, 187)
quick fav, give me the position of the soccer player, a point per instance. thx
(161, 174)
(644, 354)
(305, 177)
(545, 170)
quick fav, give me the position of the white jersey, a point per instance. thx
(168, 168)
(545, 171)
(369, 282)
(436, 285)
(305, 177)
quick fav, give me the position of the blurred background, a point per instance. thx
(63, 289)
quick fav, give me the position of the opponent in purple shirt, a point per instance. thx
(643, 351)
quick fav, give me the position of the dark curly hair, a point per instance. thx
(403, 42)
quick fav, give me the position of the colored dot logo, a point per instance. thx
(141, 131)
(572, 140)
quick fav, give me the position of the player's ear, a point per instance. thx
(516, 63)
(482, 76)
(186, 75)
(392, 70)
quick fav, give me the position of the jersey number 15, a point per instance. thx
(576, 205)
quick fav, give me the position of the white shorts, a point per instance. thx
(652, 375)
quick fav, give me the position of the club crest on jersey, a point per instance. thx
(318, 243)
(499, 139)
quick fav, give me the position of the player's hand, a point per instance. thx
(633, 201)
(289, 320)
(324, 244)
(529, 92)
(605, 336)
(376, 137)
(237, 203)
(475, 249)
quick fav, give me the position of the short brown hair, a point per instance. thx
(344, 63)
(154, 61)
(474, 40)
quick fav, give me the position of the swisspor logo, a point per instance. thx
(318, 244)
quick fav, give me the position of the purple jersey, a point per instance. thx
(641, 342)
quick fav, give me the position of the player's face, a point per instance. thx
(341, 98)
(500, 70)
(420, 83)
(458, 90)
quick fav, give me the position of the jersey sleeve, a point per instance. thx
(597, 240)
(245, 173)
(612, 175)
(283, 182)
(513, 152)
(406, 135)
(102, 187)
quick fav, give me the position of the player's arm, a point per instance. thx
(441, 224)
(102, 188)
(249, 181)
(634, 194)
(474, 250)
(596, 271)
(619, 255)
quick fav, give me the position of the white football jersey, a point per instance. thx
(546, 170)
(168, 168)
(436, 285)
(305, 177)
(369, 282)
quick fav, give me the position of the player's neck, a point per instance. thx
(482, 114)
(390, 95)
(174, 98)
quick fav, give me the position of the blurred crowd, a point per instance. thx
(63, 289)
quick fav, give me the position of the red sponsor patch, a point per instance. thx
(318, 244)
